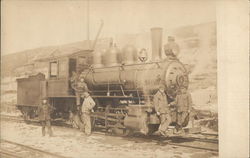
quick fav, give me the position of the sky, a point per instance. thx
(30, 24)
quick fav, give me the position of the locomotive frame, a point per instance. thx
(123, 92)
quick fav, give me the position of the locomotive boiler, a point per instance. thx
(128, 76)
(121, 85)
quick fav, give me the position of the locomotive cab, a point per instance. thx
(56, 86)
(62, 69)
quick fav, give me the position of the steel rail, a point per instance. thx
(194, 147)
(210, 134)
(8, 154)
(14, 118)
(215, 141)
(32, 149)
(165, 140)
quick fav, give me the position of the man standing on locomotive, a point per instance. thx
(44, 112)
(171, 48)
(162, 110)
(80, 87)
(184, 105)
(87, 107)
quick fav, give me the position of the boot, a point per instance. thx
(164, 133)
(50, 132)
(179, 130)
(43, 131)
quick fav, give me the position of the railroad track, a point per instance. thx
(32, 121)
(195, 143)
(8, 154)
(205, 144)
(11, 118)
(11, 149)
(210, 140)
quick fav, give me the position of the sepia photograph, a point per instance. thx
(118, 78)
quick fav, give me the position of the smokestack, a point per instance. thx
(156, 36)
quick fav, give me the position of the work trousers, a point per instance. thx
(86, 123)
(181, 116)
(76, 120)
(45, 123)
(165, 121)
(144, 123)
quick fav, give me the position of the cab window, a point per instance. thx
(53, 69)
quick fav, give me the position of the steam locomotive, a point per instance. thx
(121, 85)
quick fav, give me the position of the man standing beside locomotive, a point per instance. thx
(87, 107)
(184, 105)
(44, 112)
(162, 110)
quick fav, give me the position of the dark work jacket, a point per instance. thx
(171, 49)
(161, 103)
(80, 87)
(44, 112)
(183, 102)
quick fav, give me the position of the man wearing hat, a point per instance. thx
(171, 48)
(162, 109)
(80, 87)
(44, 112)
(87, 107)
(184, 105)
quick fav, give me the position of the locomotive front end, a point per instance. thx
(175, 77)
(131, 84)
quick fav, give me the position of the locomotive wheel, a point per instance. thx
(25, 112)
(152, 128)
(127, 132)
(120, 131)
(28, 113)
(26, 116)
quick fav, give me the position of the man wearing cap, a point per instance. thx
(162, 109)
(80, 87)
(171, 48)
(44, 112)
(184, 105)
(87, 107)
